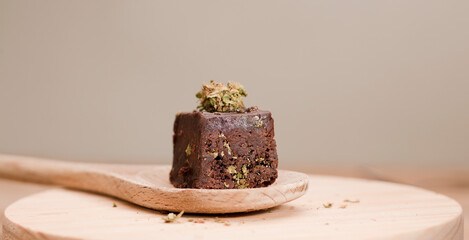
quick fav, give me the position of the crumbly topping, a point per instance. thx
(216, 97)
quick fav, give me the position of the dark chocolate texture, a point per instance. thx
(224, 150)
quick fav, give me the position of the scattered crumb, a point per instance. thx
(190, 220)
(343, 206)
(328, 205)
(218, 220)
(172, 217)
(199, 221)
(326, 223)
(352, 201)
(292, 207)
(114, 205)
(253, 108)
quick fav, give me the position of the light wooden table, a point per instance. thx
(451, 182)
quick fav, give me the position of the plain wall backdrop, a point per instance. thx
(347, 81)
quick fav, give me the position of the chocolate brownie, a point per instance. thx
(224, 150)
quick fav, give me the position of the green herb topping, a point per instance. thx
(216, 97)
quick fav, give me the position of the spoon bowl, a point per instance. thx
(149, 186)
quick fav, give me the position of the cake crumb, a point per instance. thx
(327, 205)
(199, 221)
(351, 201)
(253, 108)
(172, 217)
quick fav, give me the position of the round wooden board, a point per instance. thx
(384, 211)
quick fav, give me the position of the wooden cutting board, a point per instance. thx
(333, 208)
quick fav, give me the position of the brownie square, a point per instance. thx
(224, 150)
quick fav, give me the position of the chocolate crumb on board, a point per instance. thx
(351, 201)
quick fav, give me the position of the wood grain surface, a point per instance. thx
(333, 208)
(149, 186)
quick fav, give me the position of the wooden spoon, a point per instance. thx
(149, 186)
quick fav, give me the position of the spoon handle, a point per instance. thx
(41, 170)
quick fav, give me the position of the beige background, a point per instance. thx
(347, 81)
